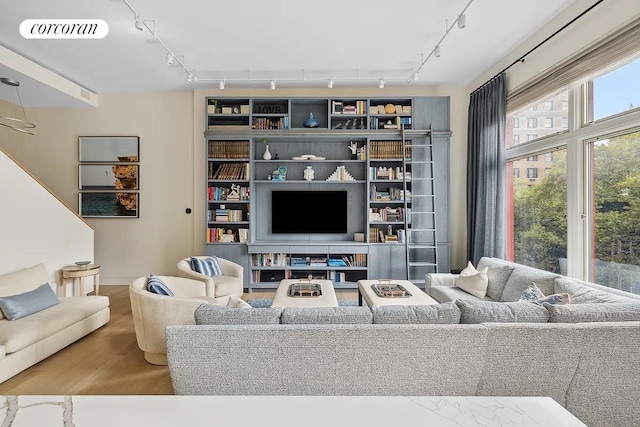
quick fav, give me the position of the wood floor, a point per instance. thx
(107, 361)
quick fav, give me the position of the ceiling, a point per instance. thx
(248, 43)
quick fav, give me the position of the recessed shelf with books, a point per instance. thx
(228, 191)
(344, 266)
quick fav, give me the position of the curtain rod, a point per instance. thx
(521, 59)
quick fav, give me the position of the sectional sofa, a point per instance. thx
(34, 337)
(585, 355)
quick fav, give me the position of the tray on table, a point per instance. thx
(305, 290)
(389, 289)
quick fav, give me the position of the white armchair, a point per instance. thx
(152, 313)
(230, 283)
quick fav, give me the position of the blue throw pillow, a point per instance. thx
(208, 266)
(18, 306)
(157, 286)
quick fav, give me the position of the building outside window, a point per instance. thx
(516, 139)
(548, 122)
(532, 173)
(532, 122)
(532, 136)
(516, 122)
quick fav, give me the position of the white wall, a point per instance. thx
(35, 227)
(127, 247)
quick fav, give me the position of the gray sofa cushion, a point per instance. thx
(451, 294)
(498, 273)
(486, 311)
(521, 277)
(445, 313)
(209, 314)
(581, 294)
(326, 315)
(594, 312)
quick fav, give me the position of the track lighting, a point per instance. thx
(416, 76)
(189, 78)
(138, 23)
(462, 20)
(221, 84)
(381, 84)
(170, 59)
(436, 51)
(330, 85)
(273, 84)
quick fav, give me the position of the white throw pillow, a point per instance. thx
(473, 281)
(235, 302)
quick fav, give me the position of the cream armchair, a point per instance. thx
(230, 283)
(152, 313)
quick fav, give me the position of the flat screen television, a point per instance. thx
(297, 211)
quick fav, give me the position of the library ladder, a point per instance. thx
(420, 205)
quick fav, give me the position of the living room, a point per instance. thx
(171, 124)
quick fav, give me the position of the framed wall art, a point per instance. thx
(109, 149)
(109, 176)
(109, 204)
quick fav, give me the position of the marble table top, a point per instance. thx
(281, 411)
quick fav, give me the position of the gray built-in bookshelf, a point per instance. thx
(388, 156)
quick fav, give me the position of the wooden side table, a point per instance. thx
(77, 274)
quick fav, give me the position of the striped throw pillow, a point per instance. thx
(208, 266)
(157, 286)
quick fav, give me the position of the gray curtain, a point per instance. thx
(486, 171)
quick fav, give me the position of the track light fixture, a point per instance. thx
(189, 78)
(221, 85)
(462, 20)
(138, 23)
(273, 84)
(331, 82)
(416, 76)
(170, 59)
(381, 84)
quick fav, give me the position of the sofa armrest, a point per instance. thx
(439, 279)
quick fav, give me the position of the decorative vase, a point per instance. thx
(311, 122)
(308, 173)
(267, 153)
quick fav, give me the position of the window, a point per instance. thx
(536, 220)
(604, 171)
(614, 259)
(532, 158)
(516, 139)
(516, 172)
(552, 121)
(532, 107)
(614, 92)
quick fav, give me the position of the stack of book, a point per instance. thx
(229, 149)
